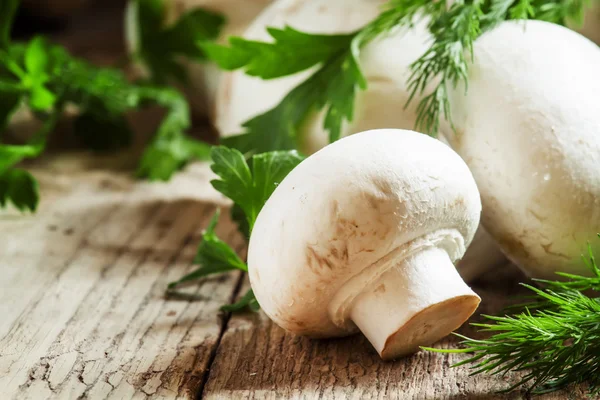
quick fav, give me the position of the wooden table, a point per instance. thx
(84, 314)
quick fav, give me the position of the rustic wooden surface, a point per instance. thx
(84, 313)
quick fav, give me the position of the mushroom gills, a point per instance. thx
(434, 300)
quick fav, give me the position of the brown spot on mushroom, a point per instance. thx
(513, 246)
(313, 257)
(227, 85)
(536, 215)
(292, 9)
(380, 288)
(335, 209)
(374, 202)
(459, 201)
(548, 250)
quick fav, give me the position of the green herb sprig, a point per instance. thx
(338, 76)
(554, 342)
(249, 186)
(45, 78)
(159, 47)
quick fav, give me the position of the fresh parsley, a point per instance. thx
(338, 75)
(160, 47)
(45, 78)
(249, 186)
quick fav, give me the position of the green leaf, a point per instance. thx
(250, 190)
(36, 59)
(291, 51)
(12, 154)
(20, 188)
(102, 134)
(333, 87)
(247, 301)
(41, 98)
(236, 178)
(160, 47)
(213, 251)
(237, 215)
(36, 76)
(191, 29)
(9, 102)
(553, 343)
(8, 9)
(165, 156)
(214, 256)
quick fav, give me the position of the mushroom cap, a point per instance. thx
(528, 127)
(384, 63)
(354, 208)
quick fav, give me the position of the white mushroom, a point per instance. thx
(385, 63)
(204, 77)
(363, 234)
(528, 127)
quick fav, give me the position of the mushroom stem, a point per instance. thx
(415, 303)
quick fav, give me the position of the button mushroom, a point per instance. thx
(528, 129)
(385, 64)
(363, 234)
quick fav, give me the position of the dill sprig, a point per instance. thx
(333, 86)
(554, 341)
(454, 31)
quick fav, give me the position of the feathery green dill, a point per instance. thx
(554, 341)
(338, 77)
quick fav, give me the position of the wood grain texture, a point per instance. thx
(258, 360)
(84, 313)
(82, 288)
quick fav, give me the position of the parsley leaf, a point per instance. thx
(20, 188)
(247, 301)
(168, 154)
(292, 51)
(17, 186)
(251, 189)
(214, 256)
(9, 102)
(36, 64)
(332, 87)
(160, 47)
(103, 96)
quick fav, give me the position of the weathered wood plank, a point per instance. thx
(258, 360)
(83, 280)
